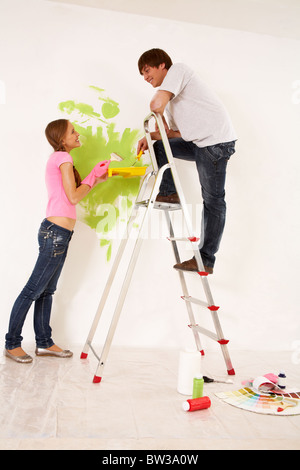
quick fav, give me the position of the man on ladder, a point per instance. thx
(200, 130)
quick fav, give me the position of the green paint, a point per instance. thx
(82, 108)
(110, 108)
(109, 203)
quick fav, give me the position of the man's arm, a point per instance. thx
(143, 144)
(158, 105)
(160, 101)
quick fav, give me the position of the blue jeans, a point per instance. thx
(53, 246)
(211, 163)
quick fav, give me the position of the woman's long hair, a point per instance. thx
(55, 132)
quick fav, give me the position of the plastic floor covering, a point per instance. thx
(53, 403)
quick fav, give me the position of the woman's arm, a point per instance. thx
(73, 194)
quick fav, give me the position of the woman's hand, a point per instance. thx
(101, 179)
(99, 170)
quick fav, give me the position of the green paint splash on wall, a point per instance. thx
(102, 207)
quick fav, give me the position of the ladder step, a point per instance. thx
(164, 206)
(159, 205)
(142, 203)
(208, 333)
(201, 273)
(193, 300)
(188, 298)
(204, 331)
(184, 239)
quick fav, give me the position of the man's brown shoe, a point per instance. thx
(170, 199)
(191, 265)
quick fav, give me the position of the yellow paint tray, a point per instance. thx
(127, 172)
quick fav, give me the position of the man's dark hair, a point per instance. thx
(153, 58)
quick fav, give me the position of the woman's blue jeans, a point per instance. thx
(211, 163)
(53, 246)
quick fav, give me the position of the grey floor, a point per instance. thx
(53, 404)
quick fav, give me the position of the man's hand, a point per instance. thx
(142, 145)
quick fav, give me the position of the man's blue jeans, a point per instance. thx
(53, 246)
(211, 163)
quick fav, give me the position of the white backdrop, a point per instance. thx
(50, 53)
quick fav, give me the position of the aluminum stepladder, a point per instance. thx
(148, 205)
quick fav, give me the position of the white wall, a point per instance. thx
(50, 53)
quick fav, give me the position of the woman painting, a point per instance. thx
(65, 190)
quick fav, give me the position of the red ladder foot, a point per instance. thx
(97, 379)
(231, 372)
(83, 355)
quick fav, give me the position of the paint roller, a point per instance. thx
(117, 158)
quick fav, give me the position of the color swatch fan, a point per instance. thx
(275, 404)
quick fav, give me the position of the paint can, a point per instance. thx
(194, 404)
(188, 368)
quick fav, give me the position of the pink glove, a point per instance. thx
(99, 170)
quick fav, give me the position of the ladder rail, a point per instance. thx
(188, 223)
(180, 193)
(113, 270)
(183, 284)
(117, 312)
(126, 281)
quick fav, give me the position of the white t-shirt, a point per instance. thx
(195, 110)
